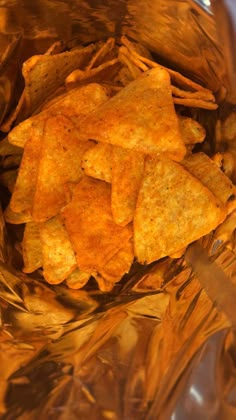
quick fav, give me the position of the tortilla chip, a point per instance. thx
(20, 109)
(105, 53)
(88, 220)
(23, 194)
(6, 126)
(210, 175)
(199, 94)
(43, 74)
(7, 148)
(140, 117)
(72, 104)
(97, 162)
(104, 73)
(176, 78)
(77, 279)
(20, 134)
(118, 265)
(60, 163)
(229, 128)
(78, 101)
(104, 284)
(16, 218)
(192, 132)
(127, 173)
(173, 210)
(58, 256)
(31, 247)
(124, 58)
(8, 179)
(195, 103)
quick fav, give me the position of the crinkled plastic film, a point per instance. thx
(157, 346)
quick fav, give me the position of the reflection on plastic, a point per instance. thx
(155, 347)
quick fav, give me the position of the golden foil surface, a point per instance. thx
(157, 346)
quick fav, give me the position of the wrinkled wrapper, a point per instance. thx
(157, 346)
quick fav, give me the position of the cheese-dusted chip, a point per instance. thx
(58, 256)
(97, 162)
(127, 173)
(205, 169)
(16, 218)
(77, 279)
(177, 78)
(77, 102)
(60, 163)
(95, 237)
(118, 265)
(124, 57)
(140, 117)
(31, 246)
(103, 73)
(43, 74)
(173, 209)
(229, 128)
(104, 53)
(192, 132)
(19, 112)
(72, 104)
(23, 194)
(195, 103)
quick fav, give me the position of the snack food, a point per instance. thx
(107, 174)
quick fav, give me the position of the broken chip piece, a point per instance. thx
(23, 195)
(97, 162)
(58, 258)
(94, 235)
(127, 173)
(31, 246)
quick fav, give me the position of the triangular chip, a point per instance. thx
(140, 117)
(228, 128)
(77, 279)
(19, 112)
(124, 57)
(60, 163)
(58, 256)
(104, 73)
(104, 53)
(205, 169)
(118, 265)
(43, 74)
(127, 173)
(94, 235)
(176, 78)
(192, 132)
(173, 210)
(23, 194)
(31, 245)
(97, 162)
(16, 218)
(72, 104)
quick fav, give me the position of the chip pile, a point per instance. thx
(107, 174)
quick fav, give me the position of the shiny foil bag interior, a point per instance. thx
(161, 344)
